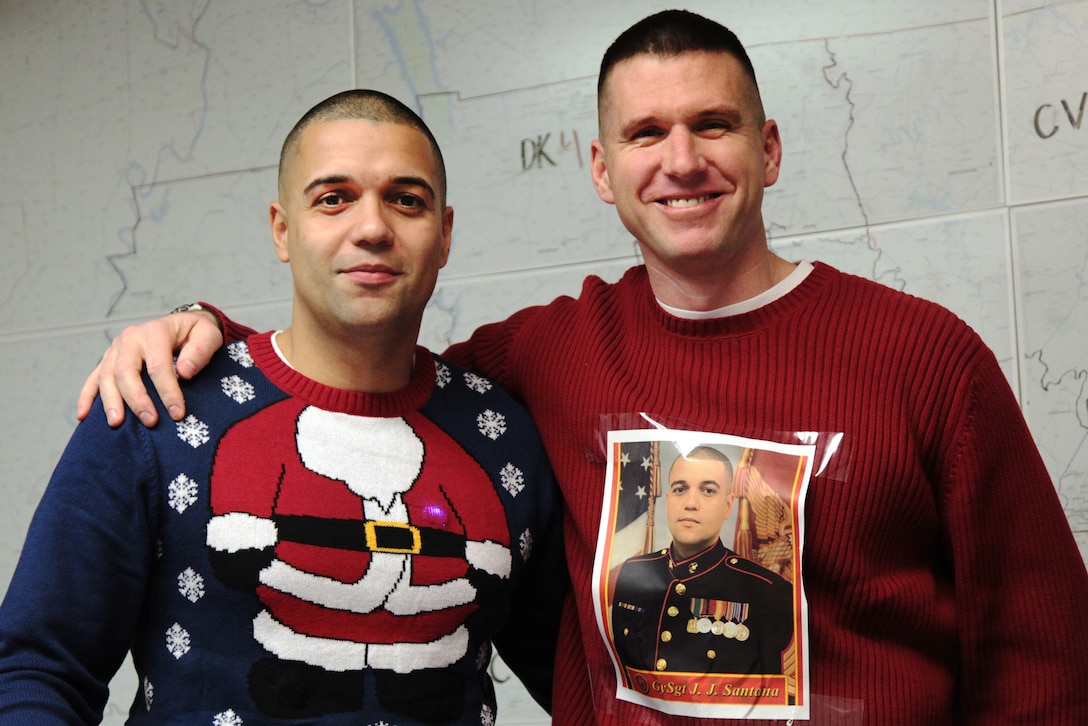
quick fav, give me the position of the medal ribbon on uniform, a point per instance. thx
(734, 614)
(738, 612)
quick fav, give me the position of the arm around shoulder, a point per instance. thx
(490, 349)
(194, 331)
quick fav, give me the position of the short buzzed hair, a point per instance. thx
(670, 33)
(363, 104)
(708, 453)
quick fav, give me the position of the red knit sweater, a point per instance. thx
(943, 582)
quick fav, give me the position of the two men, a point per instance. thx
(943, 583)
(342, 524)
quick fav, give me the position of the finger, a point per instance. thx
(112, 402)
(124, 375)
(87, 393)
(202, 339)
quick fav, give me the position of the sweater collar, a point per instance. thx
(766, 297)
(794, 302)
(356, 403)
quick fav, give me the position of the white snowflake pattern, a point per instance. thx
(239, 353)
(442, 375)
(181, 493)
(513, 479)
(190, 584)
(525, 541)
(487, 716)
(177, 640)
(227, 718)
(491, 424)
(238, 389)
(477, 383)
(149, 693)
(193, 431)
(382, 723)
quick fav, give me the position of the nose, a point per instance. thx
(682, 153)
(369, 225)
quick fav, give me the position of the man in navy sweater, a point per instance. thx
(343, 522)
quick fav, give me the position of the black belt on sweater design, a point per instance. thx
(369, 536)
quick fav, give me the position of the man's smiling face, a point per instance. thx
(684, 155)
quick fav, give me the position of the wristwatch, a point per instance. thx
(197, 307)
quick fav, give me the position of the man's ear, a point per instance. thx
(277, 218)
(447, 234)
(772, 152)
(600, 172)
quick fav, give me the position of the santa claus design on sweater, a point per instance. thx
(368, 541)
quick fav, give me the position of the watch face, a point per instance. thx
(186, 308)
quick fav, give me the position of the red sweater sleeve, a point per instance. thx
(231, 330)
(490, 350)
(1006, 537)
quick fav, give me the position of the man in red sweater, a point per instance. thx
(942, 580)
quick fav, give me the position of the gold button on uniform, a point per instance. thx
(666, 636)
(681, 588)
(661, 664)
(673, 611)
(711, 654)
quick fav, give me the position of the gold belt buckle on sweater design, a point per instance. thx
(395, 531)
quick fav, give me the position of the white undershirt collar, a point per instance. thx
(276, 347)
(766, 297)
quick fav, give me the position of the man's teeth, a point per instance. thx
(686, 202)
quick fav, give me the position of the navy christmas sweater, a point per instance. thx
(291, 553)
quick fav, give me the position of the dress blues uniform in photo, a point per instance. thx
(715, 612)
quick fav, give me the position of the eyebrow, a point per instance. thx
(403, 181)
(415, 181)
(732, 114)
(715, 482)
(325, 181)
